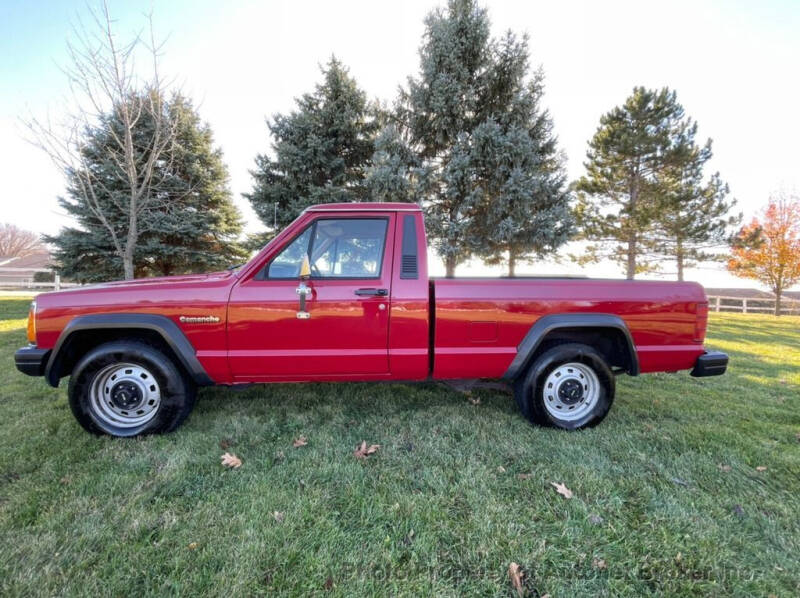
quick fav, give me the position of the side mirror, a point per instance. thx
(305, 269)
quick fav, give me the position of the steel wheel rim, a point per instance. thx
(124, 395)
(562, 399)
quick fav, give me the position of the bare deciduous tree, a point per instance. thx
(16, 242)
(103, 78)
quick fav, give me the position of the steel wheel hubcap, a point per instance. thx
(571, 391)
(124, 395)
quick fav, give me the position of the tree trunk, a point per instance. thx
(778, 293)
(631, 265)
(512, 262)
(679, 258)
(450, 266)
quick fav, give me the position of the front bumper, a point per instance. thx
(31, 360)
(710, 364)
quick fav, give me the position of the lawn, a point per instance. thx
(689, 487)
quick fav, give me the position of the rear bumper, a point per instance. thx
(31, 360)
(710, 364)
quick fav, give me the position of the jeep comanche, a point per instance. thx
(343, 294)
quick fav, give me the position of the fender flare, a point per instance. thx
(162, 325)
(547, 324)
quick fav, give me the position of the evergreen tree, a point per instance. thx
(488, 165)
(321, 150)
(191, 225)
(693, 216)
(521, 199)
(394, 174)
(621, 195)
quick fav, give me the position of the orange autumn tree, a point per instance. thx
(768, 250)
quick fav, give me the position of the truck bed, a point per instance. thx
(479, 322)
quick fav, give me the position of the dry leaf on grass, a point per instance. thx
(328, 584)
(524, 476)
(232, 461)
(473, 400)
(363, 451)
(562, 489)
(599, 563)
(192, 545)
(278, 516)
(724, 468)
(761, 468)
(298, 442)
(516, 574)
(501, 469)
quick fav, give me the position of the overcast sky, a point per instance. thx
(734, 65)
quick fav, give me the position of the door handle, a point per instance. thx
(372, 292)
(303, 291)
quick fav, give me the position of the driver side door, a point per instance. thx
(344, 330)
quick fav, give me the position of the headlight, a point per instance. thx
(32, 323)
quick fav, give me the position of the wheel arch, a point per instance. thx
(85, 332)
(606, 333)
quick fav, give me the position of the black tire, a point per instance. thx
(174, 399)
(533, 398)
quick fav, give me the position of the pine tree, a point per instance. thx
(394, 173)
(521, 201)
(489, 170)
(693, 216)
(621, 195)
(192, 224)
(321, 150)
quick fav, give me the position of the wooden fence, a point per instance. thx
(752, 305)
(30, 283)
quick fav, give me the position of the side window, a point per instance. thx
(348, 248)
(338, 248)
(288, 262)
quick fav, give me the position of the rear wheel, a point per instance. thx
(569, 386)
(128, 388)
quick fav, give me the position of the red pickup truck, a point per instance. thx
(343, 294)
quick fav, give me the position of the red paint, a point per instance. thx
(478, 322)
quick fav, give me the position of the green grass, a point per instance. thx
(439, 510)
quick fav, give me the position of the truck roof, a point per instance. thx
(365, 206)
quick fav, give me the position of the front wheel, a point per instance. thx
(128, 388)
(569, 386)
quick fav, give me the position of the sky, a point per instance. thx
(734, 65)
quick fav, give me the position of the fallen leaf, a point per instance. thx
(562, 489)
(473, 400)
(501, 469)
(192, 545)
(363, 451)
(761, 468)
(524, 476)
(226, 443)
(599, 564)
(516, 574)
(724, 468)
(328, 584)
(678, 557)
(232, 461)
(298, 442)
(278, 516)
(595, 519)
(65, 480)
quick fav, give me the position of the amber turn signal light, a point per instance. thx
(32, 323)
